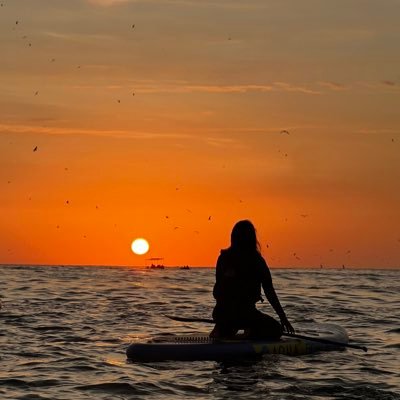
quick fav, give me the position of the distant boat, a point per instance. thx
(153, 266)
(157, 265)
(185, 267)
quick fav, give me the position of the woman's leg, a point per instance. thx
(223, 325)
(221, 331)
(262, 326)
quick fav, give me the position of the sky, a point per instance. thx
(173, 119)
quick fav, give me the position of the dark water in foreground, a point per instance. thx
(64, 332)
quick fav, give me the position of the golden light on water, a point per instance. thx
(140, 246)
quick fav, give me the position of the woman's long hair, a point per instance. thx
(244, 237)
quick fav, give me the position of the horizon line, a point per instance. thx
(192, 266)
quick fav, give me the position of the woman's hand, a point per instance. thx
(286, 325)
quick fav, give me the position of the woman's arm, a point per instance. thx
(275, 303)
(272, 297)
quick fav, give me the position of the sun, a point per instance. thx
(140, 246)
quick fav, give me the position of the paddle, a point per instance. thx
(294, 335)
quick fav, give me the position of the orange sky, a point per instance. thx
(149, 130)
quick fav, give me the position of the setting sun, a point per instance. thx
(140, 246)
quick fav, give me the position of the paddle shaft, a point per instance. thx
(295, 335)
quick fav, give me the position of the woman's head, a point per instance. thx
(244, 237)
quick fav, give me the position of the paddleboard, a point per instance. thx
(199, 347)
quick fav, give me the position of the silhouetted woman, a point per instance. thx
(240, 273)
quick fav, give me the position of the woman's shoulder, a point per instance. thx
(260, 257)
(261, 260)
(224, 253)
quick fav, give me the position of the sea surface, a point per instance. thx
(64, 332)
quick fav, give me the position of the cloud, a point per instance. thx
(221, 141)
(185, 87)
(234, 4)
(117, 133)
(229, 88)
(378, 131)
(214, 141)
(379, 86)
(333, 86)
(146, 86)
(389, 83)
(77, 37)
(107, 3)
(288, 87)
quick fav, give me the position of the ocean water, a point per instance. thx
(64, 333)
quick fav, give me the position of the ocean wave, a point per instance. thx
(125, 388)
(20, 383)
(392, 346)
(339, 389)
(393, 330)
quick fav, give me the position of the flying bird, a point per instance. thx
(285, 132)
(35, 149)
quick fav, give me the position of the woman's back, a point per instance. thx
(238, 278)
